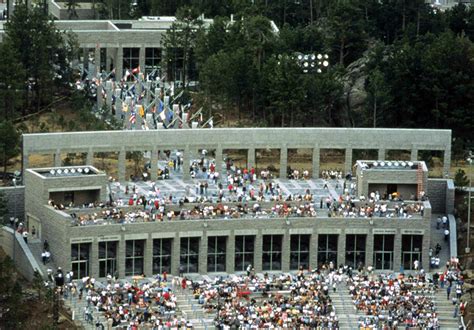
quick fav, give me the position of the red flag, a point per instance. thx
(136, 70)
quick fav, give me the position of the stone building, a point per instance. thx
(228, 246)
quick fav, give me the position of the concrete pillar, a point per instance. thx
(186, 162)
(414, 155)
(90, 157)
(285, 255)
(108, 60)
(26, 162)
(397, 252)
(258, 253)
(219, 160)
(283, 161)
(122, 165)
(121, 258)
(382, 153)
(230, 254)
(425, 258)
(447, 161)
(57, 158)
(141, 59)
(316, 162)
(203, 255)
(94, 260)
(154, 164)
(119, 64)
(176, 244)
(313, 251)
(251, 158)
(341, 249)
(148, 257)
(100, 97)
(109, 89)
(369, 250)
(97, 61)
(348, 161)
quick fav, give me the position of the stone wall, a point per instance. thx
(19, 252)
(15, 197)
(437, 193)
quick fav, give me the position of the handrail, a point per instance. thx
(453, 242)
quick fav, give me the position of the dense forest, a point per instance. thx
(391, 63)
(357, 63)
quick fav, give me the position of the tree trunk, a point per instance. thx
(341, 52)
(311, 11)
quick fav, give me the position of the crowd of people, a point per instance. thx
(279, 301)
(139, 303)
(392, 302)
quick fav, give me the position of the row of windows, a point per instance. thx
(272, 248)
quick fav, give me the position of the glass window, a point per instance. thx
(271, 252)
(299, 253)
(152, 59)
(244, 252)
(355, 250)
(162, 255)
(80, 255)
(189, 254)
(327, 249)
(131, 59)
(411, 251)
(107, 258)
(216, 253)
(134, 257)
(383, 251)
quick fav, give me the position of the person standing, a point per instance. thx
(25, 236)
(446, 234)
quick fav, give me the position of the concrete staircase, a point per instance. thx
(192, 310)
(445, 310)
(345, 310)
(36, 248)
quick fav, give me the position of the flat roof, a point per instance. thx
(67, 171)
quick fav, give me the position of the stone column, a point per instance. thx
(414, 154)
(447, 162)
(108, 60)
(148, 257)
(121, 258)
(369, 250)
(283, 161)
(425, 258)
(348, 161)
(97, 61)
(219, 160)
(203, 254)
(341, 249)
(90, 157)
(382, 153)
(230, 254)
(119, 64)
(285, 255)
(100, 98)
(250, 158)
(109, 89)
(397, 252)
(26, 162)
(186, 162)
(141, 59)
(175, 257)
(154, 164)
(316, 162)
(94, 260)
(122, 165)
(57, 158)
(313, 251)
(257, 257)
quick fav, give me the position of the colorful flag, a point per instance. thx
(125, 107)
(136, 70)
(133, 118)
(141, 111)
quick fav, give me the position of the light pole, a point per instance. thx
(14, 222)
(468, 245)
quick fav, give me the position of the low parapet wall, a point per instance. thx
(15, 247)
